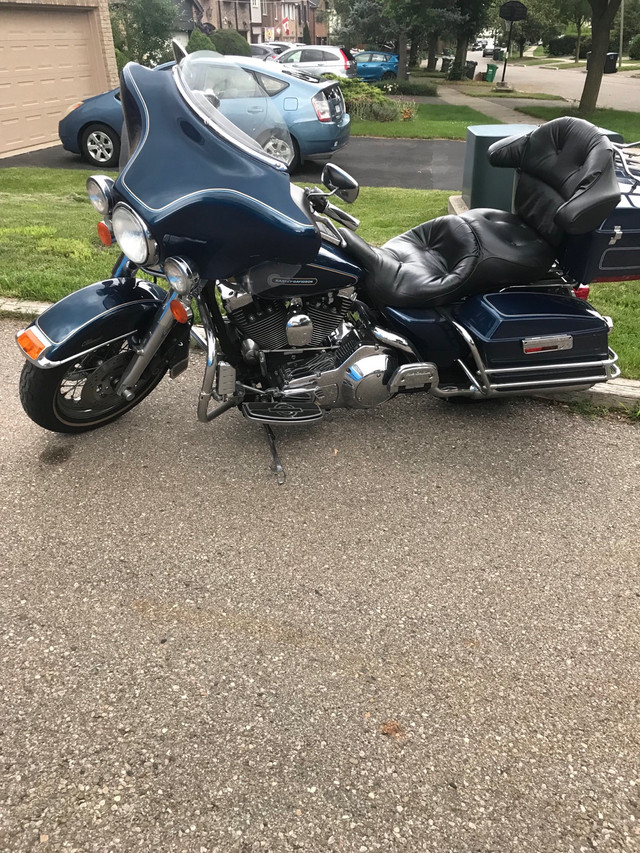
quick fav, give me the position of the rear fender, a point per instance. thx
(100, 313)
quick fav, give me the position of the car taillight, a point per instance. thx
(346, 60)
(321, 106)
(582, 291)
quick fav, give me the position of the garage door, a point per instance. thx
(50, 59)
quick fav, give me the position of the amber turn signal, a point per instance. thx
(30, 343)
(179, 311)
(104, 234)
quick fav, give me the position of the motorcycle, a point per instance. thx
(299, 315)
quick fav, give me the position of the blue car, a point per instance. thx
(314, 113)
(376, 65)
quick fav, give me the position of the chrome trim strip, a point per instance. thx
(548, 383)
(578, 365)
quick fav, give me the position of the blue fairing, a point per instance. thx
(200, 194)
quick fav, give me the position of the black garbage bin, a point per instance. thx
(611, 63)
(498, 54)
(446, 63)
(471, 69)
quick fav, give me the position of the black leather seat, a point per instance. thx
(566, 184)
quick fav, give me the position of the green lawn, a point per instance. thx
(433, 121)
(49, 245)
(622, 121)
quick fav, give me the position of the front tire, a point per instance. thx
(80, 395)
(388, 75)
(100, 145)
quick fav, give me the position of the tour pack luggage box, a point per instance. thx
(612, 251)
(526, 339)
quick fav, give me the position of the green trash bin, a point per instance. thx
(491, 72)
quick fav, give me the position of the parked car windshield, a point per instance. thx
(233, 102)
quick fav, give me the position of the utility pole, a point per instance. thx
(621, 34)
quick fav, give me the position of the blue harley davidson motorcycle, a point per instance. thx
(299, 314)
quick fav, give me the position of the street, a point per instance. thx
(620, 91)
(427, 640)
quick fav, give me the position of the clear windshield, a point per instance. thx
(230, 98)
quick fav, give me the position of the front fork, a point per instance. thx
(163, 322)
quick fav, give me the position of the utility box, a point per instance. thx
(484, 185)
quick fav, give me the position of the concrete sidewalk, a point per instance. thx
(494, 107)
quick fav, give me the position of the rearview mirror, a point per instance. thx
(337, 180)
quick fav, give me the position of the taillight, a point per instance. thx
(321, 106)
(582, 291)
(346, 60)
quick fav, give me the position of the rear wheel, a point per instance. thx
(80, 395)
(100, 145)
(275, 145)
(388, 75)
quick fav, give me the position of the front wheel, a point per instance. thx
(80, 395)
(388, 75)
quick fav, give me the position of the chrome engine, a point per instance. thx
(312, 347)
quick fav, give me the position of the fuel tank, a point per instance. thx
(329, 270)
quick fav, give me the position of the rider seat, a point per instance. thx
(566, 185)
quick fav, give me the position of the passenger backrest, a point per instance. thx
(566, 177)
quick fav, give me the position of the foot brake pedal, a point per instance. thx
(283, 412)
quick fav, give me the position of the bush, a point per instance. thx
(231, 42)
(365, 101)
(407, 87)
(199, 41)
(634, 47)
(563, 46)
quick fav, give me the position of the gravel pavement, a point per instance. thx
(427, 640)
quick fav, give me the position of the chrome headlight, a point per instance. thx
(181, 274)
(100, 190)
(133, 236)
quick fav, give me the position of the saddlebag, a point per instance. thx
(612, 251)
(526, 340)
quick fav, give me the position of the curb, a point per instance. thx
(615, 394)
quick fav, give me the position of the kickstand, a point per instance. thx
(276, 465)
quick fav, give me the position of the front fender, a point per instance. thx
(88, 318)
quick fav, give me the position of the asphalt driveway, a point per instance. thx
(412, 163)
(427, 640)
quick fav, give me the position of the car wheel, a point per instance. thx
(388, 75)
(100, 145)
(282, 149)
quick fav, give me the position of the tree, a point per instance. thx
(469, 18)
(142, 28)
(631, 23)
(578, 13)
(199, 41)
(306, 35)
(230, 42)
(602, 14)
